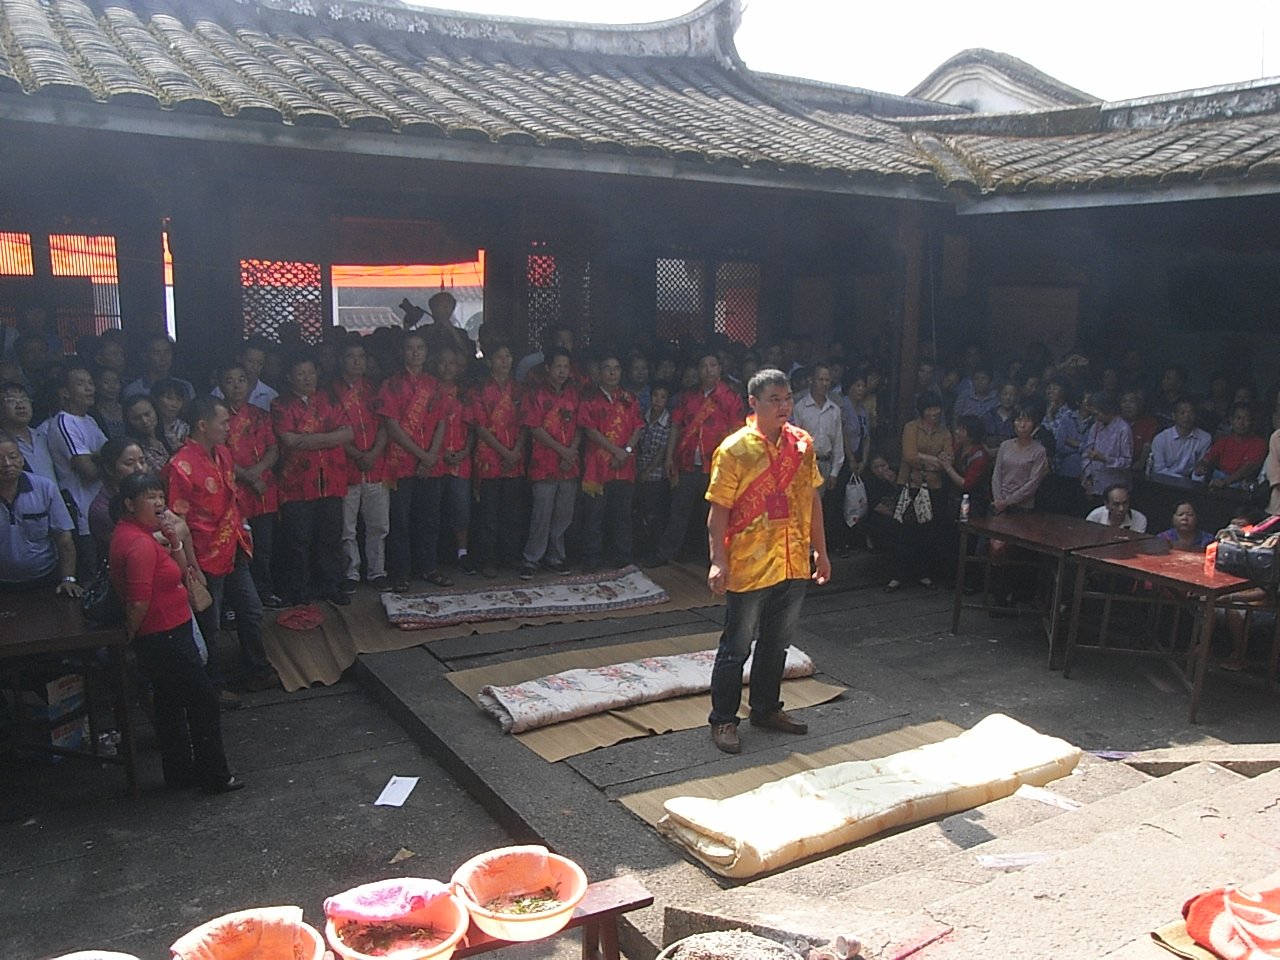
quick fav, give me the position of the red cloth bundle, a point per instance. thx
(1236, 925)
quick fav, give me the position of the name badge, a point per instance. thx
(776, 506)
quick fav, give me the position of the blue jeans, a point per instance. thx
(768, 617)
(238, 591)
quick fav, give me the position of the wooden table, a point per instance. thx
(1051, 535)
(38, 622)
(1186, 577)
(597, 916)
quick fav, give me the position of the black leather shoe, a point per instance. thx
(725, 737)
(339, 599)
(778, 720)
(230, 785)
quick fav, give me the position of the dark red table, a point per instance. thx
(1050, 535)
(37, 622)
(1188, 581)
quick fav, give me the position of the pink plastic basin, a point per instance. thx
(519, 871)
(443, 913)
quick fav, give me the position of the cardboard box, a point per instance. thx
(72, 735)
(50, 701)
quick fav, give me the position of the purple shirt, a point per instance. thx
(1115, 442)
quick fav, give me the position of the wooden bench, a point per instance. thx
(597, 916)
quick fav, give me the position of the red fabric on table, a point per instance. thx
(143, 572)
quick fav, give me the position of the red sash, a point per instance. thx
(691, 432)
(772, 482)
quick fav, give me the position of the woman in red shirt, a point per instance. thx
(158, 619)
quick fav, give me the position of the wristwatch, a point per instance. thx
(629, 450)
(70, 580)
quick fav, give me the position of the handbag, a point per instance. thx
(855, 500)
(101, 604)
(197, 592)
(923, 506)
(903, 505)
(1250, 552)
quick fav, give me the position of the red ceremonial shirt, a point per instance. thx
(557, 413)
(618, 418)
(496, 407)
(1232, 452)
(309, 474)
(357, 405)
(409, 400)
(142, 571)
(704, 420)
(203, 490)
(249, 437)
(457, 424)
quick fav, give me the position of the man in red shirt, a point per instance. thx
(611, 421)
(313, 481)
(1238, 456)
(410, 410)
(704, 416)
(202, 489)
(254, 452)
(453, 469)
(550, 411)
(498, 462)
(367, 494)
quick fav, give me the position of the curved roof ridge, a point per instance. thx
(704, 32)
(1012, 66)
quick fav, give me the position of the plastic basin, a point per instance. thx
(519, 871)
(310, 945)
(443, 913)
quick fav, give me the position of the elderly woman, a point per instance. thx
(1185, 534)
(158, 620)
(926, 443)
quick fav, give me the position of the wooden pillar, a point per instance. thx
(206, 276)
(911, 240)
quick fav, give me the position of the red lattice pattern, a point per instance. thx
(558, 281)
(86, 286)
(737, 303)
(276, 293)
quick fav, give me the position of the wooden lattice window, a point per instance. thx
(737, 301)
(17, 271)
(558, 284)
(680, 299)
(277, 293)
(86, 286)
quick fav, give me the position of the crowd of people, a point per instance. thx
(292, 473)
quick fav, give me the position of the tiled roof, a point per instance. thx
(1018, 70)
(1224, 133)
(385, 69)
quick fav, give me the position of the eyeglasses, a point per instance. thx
(15, 401)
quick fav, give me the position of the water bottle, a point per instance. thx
(964, 508)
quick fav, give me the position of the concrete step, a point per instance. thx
(1095, 899)
(959, 872)
(917, 847)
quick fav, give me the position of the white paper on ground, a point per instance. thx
(396, 792)
(1028, 792)
(1012, 861)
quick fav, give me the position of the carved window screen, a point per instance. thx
(737, 303)
(86, 286)
(279, 292)
(680, 299)
(16, 273)
(558, 285)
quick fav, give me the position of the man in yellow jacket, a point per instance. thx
(767, 542)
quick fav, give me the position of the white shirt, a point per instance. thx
(823, 423)
(1135, 521)
(260, 396)
(36, 453)
(72, 436)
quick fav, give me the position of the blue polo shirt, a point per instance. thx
(27, 526)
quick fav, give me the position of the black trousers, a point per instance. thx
(653, 502)
(606, 524)
(310, 544)
(188, 726)
(500, 521)
(687, 501)
(263, 527)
